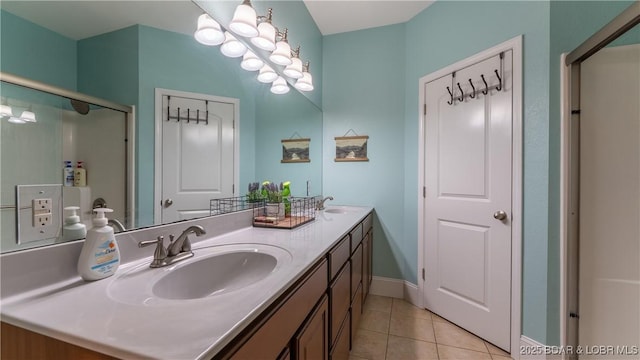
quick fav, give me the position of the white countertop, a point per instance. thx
(91, 315)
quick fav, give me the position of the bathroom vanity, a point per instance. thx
(300, 295)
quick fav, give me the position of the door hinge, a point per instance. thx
(574, 315)
(233, 188)
(423, 277)
(425, 109)
(424, 192)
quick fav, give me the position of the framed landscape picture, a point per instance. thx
(351, 148)
(295, 150)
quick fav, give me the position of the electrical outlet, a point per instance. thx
(42, 220)
(39, 215)
(40, 205)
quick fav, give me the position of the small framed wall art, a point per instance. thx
(351, 148)
(295, 150)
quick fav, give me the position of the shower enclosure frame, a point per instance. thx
(130, 126)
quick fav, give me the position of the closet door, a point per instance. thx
(467, 211)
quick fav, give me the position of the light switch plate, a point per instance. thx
(39, 215)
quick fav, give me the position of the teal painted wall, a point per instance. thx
(280, 117)
(572, 22)
(34, 52)
(364, 91)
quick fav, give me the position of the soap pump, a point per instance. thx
(100, 256)
(73, 229)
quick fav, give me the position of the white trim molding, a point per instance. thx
(514, 44)
(529, 349)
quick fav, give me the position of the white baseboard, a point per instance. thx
(399, 289)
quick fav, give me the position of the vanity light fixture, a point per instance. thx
(244, 20)
(266, 39)
(28, 116)
(294, 70)
(280, 86)
(232, 47)
(282, 54)
(208, 31)
(267, 75)
(5, 110)
(15, 120)
(251, 62)
(305, 83)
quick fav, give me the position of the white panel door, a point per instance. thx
(609, 275)
(197, 158)
(468, 179)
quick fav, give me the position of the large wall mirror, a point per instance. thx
(121, 52)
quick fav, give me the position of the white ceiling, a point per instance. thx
(82, 19)
(335, 16)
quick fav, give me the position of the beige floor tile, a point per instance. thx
(500, 357)
(449, 334)
(436, 317)
(450, 352)
(352, 357)
(369, 345)
(410, 327)
(408, 349)
(378, 303)
(403, 308)
(375, 321)
(494, 350)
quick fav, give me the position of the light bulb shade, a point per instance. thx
(251, 62)
(294, 70)
(244, 21)
(28, 116)
(282, 54)
(305, 83)
(267, 75)
(266, 40)
(208, 31)
(16, 120)
(5, 110)
(280, 86)
(232, 47)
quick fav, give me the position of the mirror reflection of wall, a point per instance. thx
(34, 152)
(69, 45)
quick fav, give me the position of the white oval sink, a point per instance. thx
(213, 272)
(215, 275)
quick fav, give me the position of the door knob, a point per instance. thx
(500, 215)
(168, 203)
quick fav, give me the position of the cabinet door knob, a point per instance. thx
(500, 215)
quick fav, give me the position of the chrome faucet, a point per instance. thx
(177, 250)
(117, 225)
(182, 243)
(320, 204)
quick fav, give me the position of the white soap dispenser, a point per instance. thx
(100, 256)
(73, 229)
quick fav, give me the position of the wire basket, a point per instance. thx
(286, 215)
(234, 204)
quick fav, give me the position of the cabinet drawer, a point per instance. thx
(340, 300)
(274, 335)
(356, 269)
(356, 236)
(339, 255)
(340, 350)
(356, 312)
(367, 223)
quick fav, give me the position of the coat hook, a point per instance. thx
(461, 98)
(499, 87)
(450, 102)
(473, 88)
(486, 87)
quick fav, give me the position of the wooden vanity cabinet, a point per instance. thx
(312, 341)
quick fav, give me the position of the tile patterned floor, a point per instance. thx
(393, 329)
